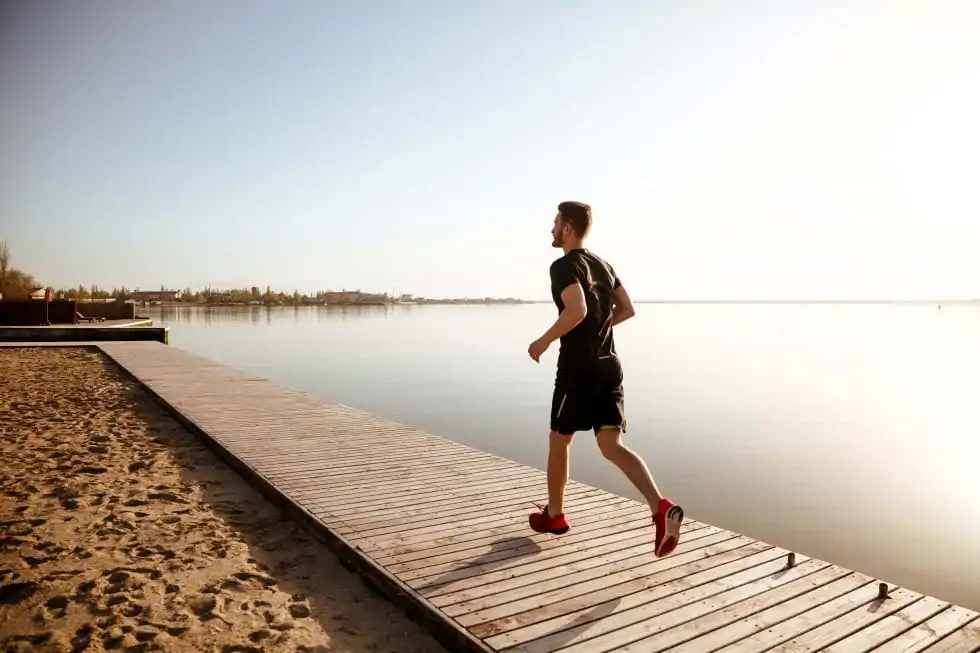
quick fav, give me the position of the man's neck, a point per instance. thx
(571, 245)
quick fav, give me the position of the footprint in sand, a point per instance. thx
(62, 575)
(57, 606)
(203, 605)
(13, 593)
(34, 561)
(300, 610)
(168, 497)
(259, 636)
(155, 550)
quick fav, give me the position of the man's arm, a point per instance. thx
(574, 312)
(622, 305)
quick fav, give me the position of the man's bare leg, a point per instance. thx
(553, 519)
(667, 515)
(611, 445)
(559, 447)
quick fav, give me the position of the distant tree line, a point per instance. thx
(14, 283)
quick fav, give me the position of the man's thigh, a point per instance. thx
(607, 405)
(608, 411)
(570, 405)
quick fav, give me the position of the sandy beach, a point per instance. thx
(121, 531)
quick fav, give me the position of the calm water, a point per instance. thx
(843, 432)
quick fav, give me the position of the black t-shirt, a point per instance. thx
(592, 338)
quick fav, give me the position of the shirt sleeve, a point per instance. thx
(616, 283)
(562, 275)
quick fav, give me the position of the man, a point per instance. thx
(588, 395)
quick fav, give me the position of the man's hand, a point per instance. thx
(622, 306)
(537, 348)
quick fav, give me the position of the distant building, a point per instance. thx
(156, 295)
(33, 293)
(371, 298)
(341, 297)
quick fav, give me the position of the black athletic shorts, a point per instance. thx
(589, 397)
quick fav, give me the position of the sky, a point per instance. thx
(795, 149)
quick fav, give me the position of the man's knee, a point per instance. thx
(610, 441)
(559, 442)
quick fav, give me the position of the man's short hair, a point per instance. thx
(577, 215)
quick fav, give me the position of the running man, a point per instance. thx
(588, 395)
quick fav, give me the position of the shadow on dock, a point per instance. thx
(502, 552)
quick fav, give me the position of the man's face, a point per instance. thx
(558, 232)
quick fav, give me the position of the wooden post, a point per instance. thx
(47, 306)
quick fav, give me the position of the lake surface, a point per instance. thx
(846, 432)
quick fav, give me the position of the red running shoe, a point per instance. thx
(542, 522)
(668, 524)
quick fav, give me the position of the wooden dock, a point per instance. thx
(109, 330)
(441, 528)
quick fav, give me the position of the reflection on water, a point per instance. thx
(266, 314)
(841, 431)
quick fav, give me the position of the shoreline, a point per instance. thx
(524, 302)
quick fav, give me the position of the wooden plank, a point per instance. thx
(298, 452)
(466, 518)
(486, 530)
(891, 626)
(476, 525)
(287, 446)
(378, 480)
(326, 467)
(426, 500)
(356, 495)
(406, 470)
(463, 549)
(371, 522)
(392, 524)
(965, 640)
(676, 628)
(614, 623)
(585, 589)
(365, 452)
(849, 624)
(514, 547)
(764, 629)
(533, 574)
(435, 480)
(395, 473)
(442, 529)
(931, 631)
(611, 542)
(409, 495)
